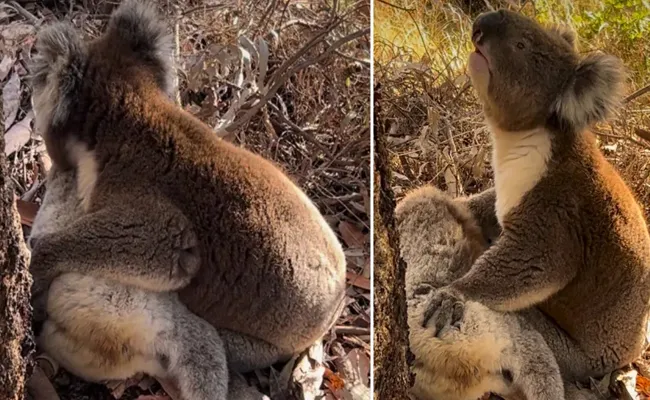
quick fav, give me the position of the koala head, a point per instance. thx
(68, 72)
(526, 74)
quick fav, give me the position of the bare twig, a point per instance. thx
(637, 94)
(21, 10)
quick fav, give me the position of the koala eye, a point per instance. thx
(520, 45)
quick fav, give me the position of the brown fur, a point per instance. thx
(574, 239)
(270, 268)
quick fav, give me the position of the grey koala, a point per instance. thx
(169, 207)
(575, 244)
(101, 329)
(486, 351)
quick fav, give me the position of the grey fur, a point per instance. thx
(440, 239)
(56, 73)
(101, 329)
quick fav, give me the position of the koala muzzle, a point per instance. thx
(487, 24)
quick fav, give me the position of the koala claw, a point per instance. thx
(446, 308)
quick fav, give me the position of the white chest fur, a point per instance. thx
(86, 171)
(520, 160)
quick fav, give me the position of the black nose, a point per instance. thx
(487, 24)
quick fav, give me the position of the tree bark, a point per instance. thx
(16, 341)
(392, 376)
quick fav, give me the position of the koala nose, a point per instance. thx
(486, 24)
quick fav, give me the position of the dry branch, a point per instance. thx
(392, 378)
(15, 283)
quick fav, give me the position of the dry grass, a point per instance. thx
(314, 123)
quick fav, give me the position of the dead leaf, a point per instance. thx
(17, 31)
(5, 66)
(334, 379)
(19, 134)
(352, 235)
(367, 268)
(624, 382)
(361, 362)
(353, 371)
(27, 211)
(11, 99)
(643, 385)
(308, 373)
(357, 280)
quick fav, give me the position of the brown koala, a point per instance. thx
(168, 206)
(100, 329)
(486, 351)
(574, 243)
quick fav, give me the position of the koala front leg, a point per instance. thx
(520, 270)
(483, 208)
(144, 242)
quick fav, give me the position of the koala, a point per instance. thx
(574, 244)
(168, 207)
(100, 329)
(488, 351)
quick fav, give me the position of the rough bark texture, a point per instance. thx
(16, 342)
(392, 377)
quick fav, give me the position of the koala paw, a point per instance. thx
(444, 309)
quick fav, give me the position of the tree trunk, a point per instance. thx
(392, 377)
(16, 341)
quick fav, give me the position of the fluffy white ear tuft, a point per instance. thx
(594, 92)
(56, 72)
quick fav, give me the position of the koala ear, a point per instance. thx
(136, 24)
(56, 73)
(566, 33)
(594, 92)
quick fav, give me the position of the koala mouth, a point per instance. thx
(477, 35)
(477, 50)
